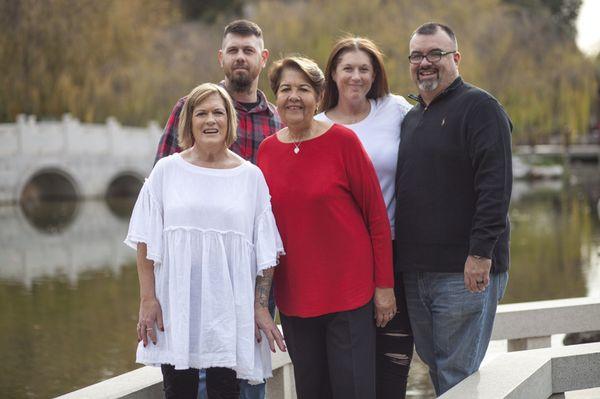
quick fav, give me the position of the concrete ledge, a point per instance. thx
(530, 374)
(533, 374)
(545, 318)
(145, 382)
(280, 359)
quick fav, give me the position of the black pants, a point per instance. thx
(394, 349)
(334, 354)
(221, 383)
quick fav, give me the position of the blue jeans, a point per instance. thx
(247, 391)
(451, 326)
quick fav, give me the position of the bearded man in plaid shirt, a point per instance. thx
(242, 57)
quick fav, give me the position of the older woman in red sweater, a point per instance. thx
(337, 272)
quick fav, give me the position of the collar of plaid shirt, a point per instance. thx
(263, 105)
(254, 126)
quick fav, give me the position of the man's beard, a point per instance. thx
(429, 84)
(241, 82)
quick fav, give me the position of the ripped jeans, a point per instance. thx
(394, 349)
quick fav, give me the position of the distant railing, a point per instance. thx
(530, 374)
(573, 152)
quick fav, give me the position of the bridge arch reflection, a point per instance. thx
(122, 192)
(49, 200)
(91, 241)
(50, 184)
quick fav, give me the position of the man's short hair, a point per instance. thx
(431, 28)
(243, 27)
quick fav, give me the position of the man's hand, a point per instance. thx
(477, 273)
(385, 306)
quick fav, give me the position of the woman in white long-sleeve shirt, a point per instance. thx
(207, 244)
(357, 96)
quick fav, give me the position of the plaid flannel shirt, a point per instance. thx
(253, 126)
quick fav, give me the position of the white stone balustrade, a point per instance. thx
(527, 374)
(530, 325)
(89, 155)
(533, 374)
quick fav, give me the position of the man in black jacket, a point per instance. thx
(454, 182)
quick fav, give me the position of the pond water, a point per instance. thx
(69, 291)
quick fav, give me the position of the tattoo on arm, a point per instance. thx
(263, 287)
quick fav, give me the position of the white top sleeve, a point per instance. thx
(146, 224)
(267, 241)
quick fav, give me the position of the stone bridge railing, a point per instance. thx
(89, 156)
(534, 374)
(541, 373)
(530, 374)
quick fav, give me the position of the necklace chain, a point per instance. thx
(295, 142)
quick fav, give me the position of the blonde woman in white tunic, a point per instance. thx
(206, 245)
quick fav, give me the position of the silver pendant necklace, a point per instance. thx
(296, 144)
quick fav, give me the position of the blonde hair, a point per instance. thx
(185, 138)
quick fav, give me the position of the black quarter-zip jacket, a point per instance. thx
(454, 182)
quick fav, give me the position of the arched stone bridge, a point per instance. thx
(68, 155)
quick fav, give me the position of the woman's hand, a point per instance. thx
(385, 306)
(264, 322)
(262, 318)
(150, 319)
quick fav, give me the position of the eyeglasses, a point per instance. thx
(432, 56)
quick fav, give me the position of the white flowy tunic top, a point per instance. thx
(210, 232)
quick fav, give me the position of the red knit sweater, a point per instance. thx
(332, 220)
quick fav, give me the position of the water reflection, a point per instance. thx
(120, 207)
(49, 201)
(50, 216)
(121, 194)
(69, 299)
(90, 238)
(555, 239)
